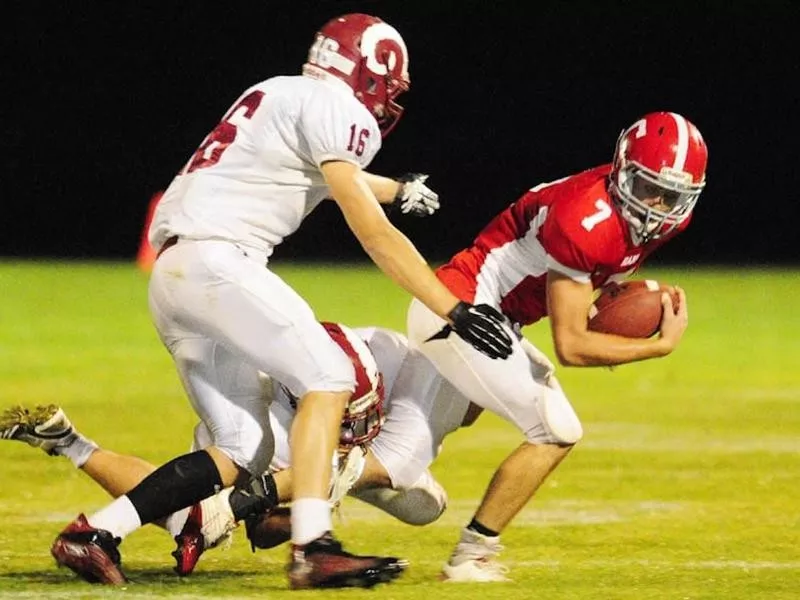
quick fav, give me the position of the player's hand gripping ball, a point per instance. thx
(631, 308)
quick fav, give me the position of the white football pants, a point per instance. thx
(224, 317)
(513, 389)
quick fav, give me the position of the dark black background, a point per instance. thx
(105, 101)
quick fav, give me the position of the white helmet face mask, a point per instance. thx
(636, 185)
(658, 174)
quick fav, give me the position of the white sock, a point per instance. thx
(175, 522)
(311, 517)
(78, 450)
(120, 518)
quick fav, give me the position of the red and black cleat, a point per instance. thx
(191, 543)
(322, 563)
(89, 552)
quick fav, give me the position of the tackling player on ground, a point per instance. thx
(382, 462)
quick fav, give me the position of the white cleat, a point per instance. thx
(473, 560)
(46, 427)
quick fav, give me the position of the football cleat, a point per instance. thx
(89, 552)
(473, 560)
(322, 563)
(190, 542)
(45, 427)
(210, 523)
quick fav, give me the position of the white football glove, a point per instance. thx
(415, 197)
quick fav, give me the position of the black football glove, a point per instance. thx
(481, 326)
(415, 197)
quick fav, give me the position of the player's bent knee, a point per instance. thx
(249, 448)
(561, 425)
(254, 459)
(420, 504)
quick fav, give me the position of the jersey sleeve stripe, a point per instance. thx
(575, 274)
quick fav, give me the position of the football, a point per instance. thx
(630, 308)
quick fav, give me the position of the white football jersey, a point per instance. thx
(421, 409)
(257, 175)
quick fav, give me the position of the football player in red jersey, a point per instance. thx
(543, 256)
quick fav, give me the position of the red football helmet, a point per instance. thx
(370, 56)
(661, 149)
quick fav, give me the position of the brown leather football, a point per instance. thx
(630, 308)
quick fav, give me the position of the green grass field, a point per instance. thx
(686, 485)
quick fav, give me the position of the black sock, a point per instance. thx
(476, 526)
(259, 496)
(181, 482)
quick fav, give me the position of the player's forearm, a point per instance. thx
(385, 244)
(384, 188)
(597, 349)
(399, 259)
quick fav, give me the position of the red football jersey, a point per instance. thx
(570, 225)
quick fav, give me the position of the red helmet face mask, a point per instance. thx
(370, 56)
(661, 155)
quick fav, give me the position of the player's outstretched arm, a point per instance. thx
(396, 256)
(392, 251)
(385, 189)
(568, 304)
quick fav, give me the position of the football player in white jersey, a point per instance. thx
(393, 429)
(285, 145)
(543, 256)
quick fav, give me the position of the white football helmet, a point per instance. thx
(363, 416)
(370, 56)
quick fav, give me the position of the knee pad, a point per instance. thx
(560, 424)
(420, 504)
